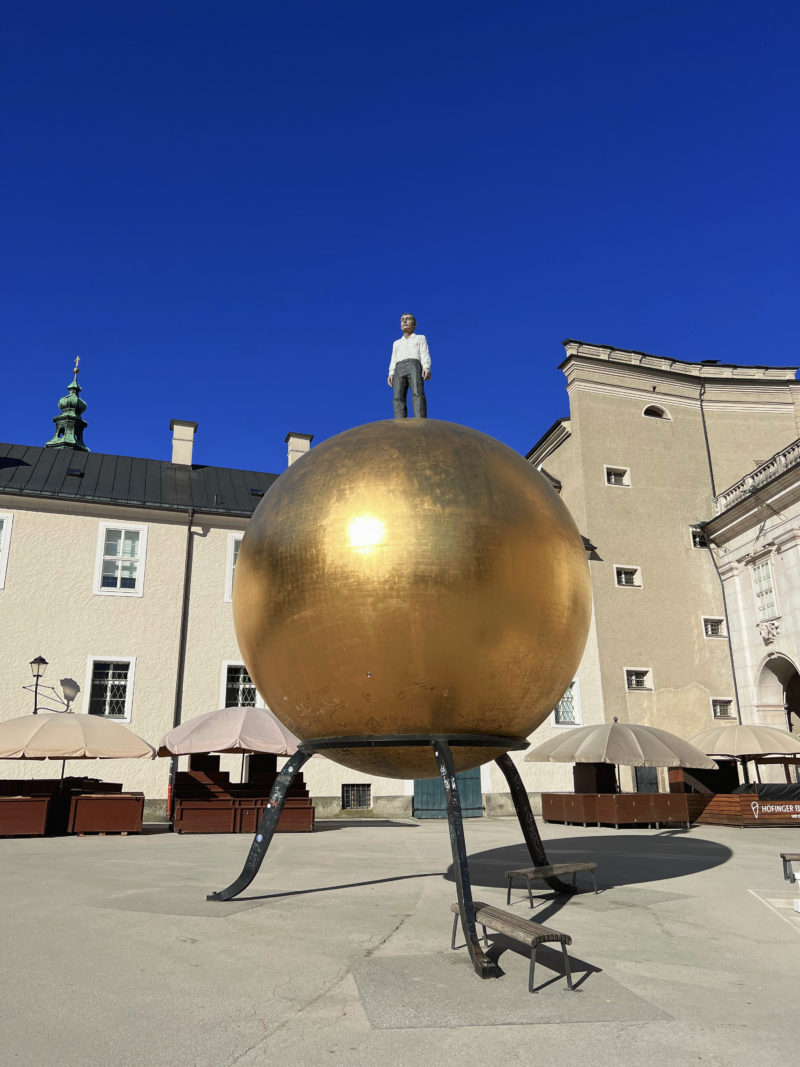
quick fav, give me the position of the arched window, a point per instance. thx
(653, 411)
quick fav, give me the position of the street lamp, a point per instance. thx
(69, 687)
(38, 667)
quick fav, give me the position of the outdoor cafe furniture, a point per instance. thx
(105, 813)
(207, 802)
(623, 809)
(23, 816)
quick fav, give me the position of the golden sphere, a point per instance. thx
(411, 577)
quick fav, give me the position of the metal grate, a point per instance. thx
(615, 477)
(109, 689)
(565, 709)
(699, 539)
(357, 796)
(239, 689)
(722, 709)
(714, 627)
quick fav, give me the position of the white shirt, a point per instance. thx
(412, 347)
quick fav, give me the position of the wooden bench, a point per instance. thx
(553, 870)
(515, 926)
(788, 858)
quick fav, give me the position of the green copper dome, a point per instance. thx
(69, 424)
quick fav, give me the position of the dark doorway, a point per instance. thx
(646, 779)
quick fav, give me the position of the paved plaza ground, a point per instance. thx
(339, 952)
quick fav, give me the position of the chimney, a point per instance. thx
(299, 444)
(182, 441)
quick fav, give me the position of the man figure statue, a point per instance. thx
(410, 366)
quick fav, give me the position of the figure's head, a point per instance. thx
(408, 323)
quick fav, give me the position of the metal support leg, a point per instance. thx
(484, 967)
(527, 823)
(266, 828)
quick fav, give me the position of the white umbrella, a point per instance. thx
(626, 744)
(230, 730)
(743, 741)
(66, 735)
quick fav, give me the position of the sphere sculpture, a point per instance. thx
(411, 577)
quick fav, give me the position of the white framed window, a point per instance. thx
(722, 708)
(638, 678)
(655, 411)
(714, 626)
(6, 520)
(567, 711)
(121, 550)
(234, 544)
(619, 476)
(628, 576)
(764, 591)
(109, 683)
(238, 688)
(699, 539)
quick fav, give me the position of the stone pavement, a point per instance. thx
(339, 953)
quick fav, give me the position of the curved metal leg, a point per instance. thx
(484, 967)
(527, 823)
(266, 828)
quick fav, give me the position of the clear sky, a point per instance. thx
(224, 207)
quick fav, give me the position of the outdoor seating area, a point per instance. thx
(52, 806)
(207, 802)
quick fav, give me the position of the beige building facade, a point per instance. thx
(647, 444)
(755, 539)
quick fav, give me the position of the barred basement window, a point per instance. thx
(699, 539)
(713, 627)
(240, 692)
(356, 796)
(109, 693)
(722, 709)
(638, 679)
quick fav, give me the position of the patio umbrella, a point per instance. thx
(748, 742)
(67, 735)
(230, 730)
(626, 744)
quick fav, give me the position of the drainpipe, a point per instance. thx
(705, 438)
(728, 629)
(181, 665)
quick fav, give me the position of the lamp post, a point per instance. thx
(69, 687)
(38, 667)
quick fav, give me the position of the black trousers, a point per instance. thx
(408, 374)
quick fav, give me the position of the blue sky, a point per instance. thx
(225, 207)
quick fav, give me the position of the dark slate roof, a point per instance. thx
(62, 474)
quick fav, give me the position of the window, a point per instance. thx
(653, 411)
(5, 541)
(638, 678)
(713, 627)
(618, 476)
(766, 605)
(234, 544)
(630, 576)
(356, 796)
(110, 687)
(698, 538)
(722, 709)
(568, 712)
(240, 692)
(120, 560)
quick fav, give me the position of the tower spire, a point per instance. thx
(69, 424)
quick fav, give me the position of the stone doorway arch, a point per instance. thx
(778, 693)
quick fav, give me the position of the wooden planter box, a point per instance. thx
(747, 809)
(106, 813)
(204, 816)
(23, 816)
